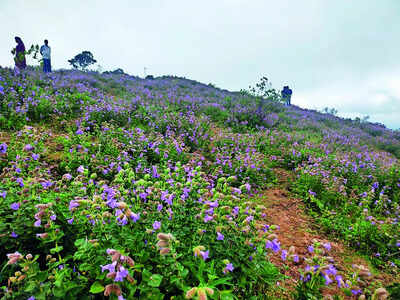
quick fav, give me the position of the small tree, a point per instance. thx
(82, 60)
(264, 90)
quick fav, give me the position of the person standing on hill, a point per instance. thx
(46, 51)
(19, 59)
(286, 94)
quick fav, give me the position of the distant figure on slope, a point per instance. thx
(46, 51)
(286, 94)
(19, 59)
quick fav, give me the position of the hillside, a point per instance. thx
(166, 188)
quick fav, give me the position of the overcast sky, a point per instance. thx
(343, 54)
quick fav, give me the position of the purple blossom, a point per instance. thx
(331, 270)
(328, 280)
(228, 268)
(220, 236)
(327, 246)
(35, 156)
(207, 218)
(205, 254)
(81, 169)
(3, 194)
(339, 280)
(121, 274)
(37, 223)
(15, 205)
(20, 181)
(70, 221)
(135, 217)
(53, 217)
(14, 235)
(79, 131)
(110, 267)
(73, 204)
(274, 245)
(284, 254)
(28, 147)
(156, 225)
(310, 249)
(3, 148)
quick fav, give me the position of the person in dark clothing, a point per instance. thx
(286, 94)
(19, 59)
(46, 51)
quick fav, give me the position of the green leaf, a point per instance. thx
(96, 287)
(42, 276)
(56, 249)
(155, 280)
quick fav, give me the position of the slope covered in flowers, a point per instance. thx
(111, 185)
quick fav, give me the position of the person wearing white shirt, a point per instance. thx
(46, 51)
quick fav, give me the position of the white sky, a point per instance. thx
(343, 54)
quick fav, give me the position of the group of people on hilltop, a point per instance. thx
(286, 94)
(45, 51)
(20, 51)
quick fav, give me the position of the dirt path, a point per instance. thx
(298, 230)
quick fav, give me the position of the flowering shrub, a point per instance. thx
(116, 186)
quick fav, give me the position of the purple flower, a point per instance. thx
(20, 181)
(339, 280)
(47, 184)
(81, 169)
(67, 176)
(14, 235)
(284, 254)
(70, 221)
(220, 236)
(73, 204)
(310, 249)
(276, 246)
(79, 131)
(121, 274)
(155, 173)
(110, 267)
(327, 246)
(35, 156)
(3, 148)
(3, 194)
(159, 207)
(207, 218)
(53, 217)
(135, 217)
(356, 292)
(156, 225)
(328, 280)
(28, 147)
(37, 223)
(205, 254)
(228, 268)
(331, 270)
(296, 258)
(31, 298)
(15, 205)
